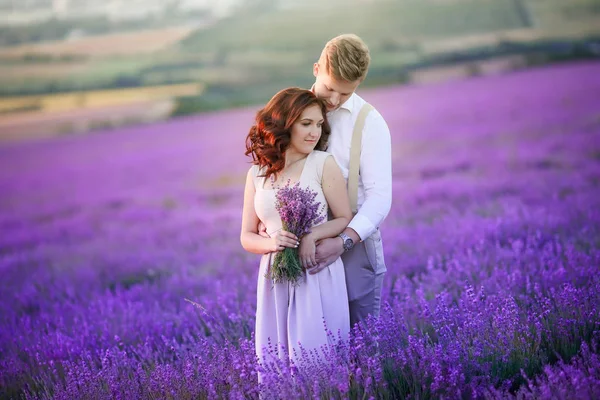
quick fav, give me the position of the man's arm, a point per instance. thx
(376, 177)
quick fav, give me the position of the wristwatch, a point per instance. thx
(347, 240)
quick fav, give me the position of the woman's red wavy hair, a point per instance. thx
(270, 136)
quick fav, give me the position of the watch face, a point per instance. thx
(348, 243)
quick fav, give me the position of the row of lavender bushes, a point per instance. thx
(492, 248)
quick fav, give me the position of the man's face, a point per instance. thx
(334, 92)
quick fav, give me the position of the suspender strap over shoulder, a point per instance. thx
(355, 147)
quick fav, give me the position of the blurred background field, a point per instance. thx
(492, 244)
(138, 56)
(492, 247)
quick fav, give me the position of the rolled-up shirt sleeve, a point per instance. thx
(375, 176)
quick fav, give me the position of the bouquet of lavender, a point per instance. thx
(299, 212)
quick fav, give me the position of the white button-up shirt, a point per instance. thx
(375, 179)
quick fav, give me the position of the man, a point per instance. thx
(342, 66)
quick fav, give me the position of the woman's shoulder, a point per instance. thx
(320, 155)
(256, 169)
(255, 172)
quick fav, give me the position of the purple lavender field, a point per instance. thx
(492, 248)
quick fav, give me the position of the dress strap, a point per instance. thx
(255, 170)
(318, 162)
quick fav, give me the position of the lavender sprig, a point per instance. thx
(299, 212)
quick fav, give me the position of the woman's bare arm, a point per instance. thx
(249, 237)
(336, 194)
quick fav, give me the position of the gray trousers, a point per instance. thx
(365, 268)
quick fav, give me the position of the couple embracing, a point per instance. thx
(333, 143)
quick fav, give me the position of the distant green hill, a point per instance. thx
(550, 13)
(256, 52)
(247, 57)
(379, 23)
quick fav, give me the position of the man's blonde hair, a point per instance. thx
(346, 57)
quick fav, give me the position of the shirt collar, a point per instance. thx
(348, 104)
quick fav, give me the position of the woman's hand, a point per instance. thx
(283, 239)
(307, 251)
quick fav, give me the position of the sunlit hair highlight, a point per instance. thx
(346, 57)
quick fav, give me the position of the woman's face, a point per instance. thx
(306, 131)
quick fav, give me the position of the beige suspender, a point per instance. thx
(355, 156)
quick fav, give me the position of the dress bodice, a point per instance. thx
(264, 199)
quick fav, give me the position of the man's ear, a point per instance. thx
(316, 69)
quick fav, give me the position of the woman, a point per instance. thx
(285, 144)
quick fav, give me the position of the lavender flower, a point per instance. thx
(492, 250)
(299, 212)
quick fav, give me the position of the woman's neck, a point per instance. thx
(292, 157)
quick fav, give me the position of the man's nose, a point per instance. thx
(334, 99)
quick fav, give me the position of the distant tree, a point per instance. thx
(524, 12)
(124, 81)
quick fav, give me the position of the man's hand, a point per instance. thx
(262, 230)
(328, 250)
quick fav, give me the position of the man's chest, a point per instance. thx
(340, 139)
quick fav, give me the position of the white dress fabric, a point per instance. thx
(288, 314)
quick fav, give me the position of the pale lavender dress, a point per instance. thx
(288, 314)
